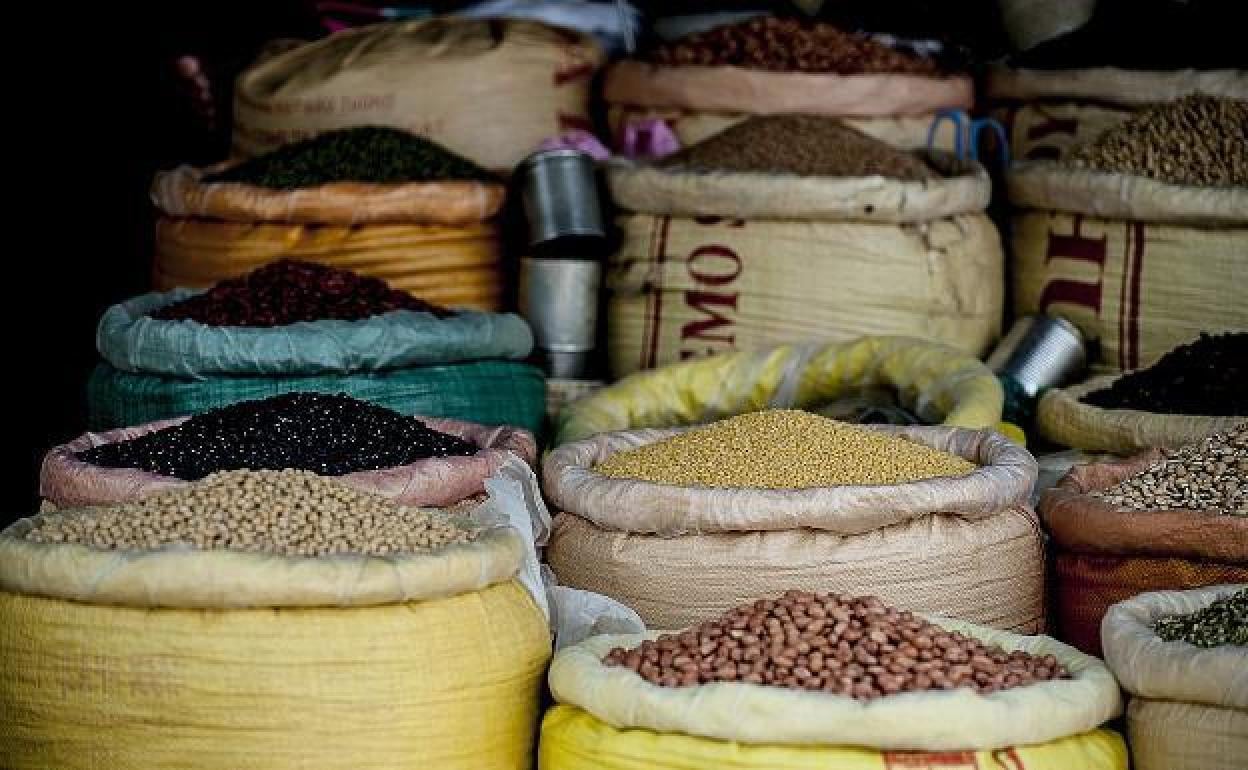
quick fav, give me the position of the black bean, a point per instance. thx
(1205, 377)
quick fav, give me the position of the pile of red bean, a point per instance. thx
(831, 643)
(290, 291)
(790, 45)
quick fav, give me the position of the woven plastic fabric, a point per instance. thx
(487, 392)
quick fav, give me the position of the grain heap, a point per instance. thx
(1224, 622)
(1205, 377)
(329, 434)
(291, 291)
(790, 45)
(372, 154)
(288, 512)
(1210, 476)
(782, 449)
(808, 145)
(1198, 140)
(857, 647)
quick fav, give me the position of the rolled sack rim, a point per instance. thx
(1004, 480)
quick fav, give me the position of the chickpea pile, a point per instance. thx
(289, 512)
(856, 647)
(782, 449)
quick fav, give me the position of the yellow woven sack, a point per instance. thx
(452, 266)
(937, 382)
(574, 740)
(203, 660)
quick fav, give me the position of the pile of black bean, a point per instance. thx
(327, 434)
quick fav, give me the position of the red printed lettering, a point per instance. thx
(1079, 247)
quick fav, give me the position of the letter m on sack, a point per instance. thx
(713, 269)
(1063, 254)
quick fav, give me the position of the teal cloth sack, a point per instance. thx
(132, 341)
(487, 392)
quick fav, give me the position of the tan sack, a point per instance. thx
(681, 288)
(961, 187)
(1044, 131)
(1140, 289)
(1189, 708)
(968, 546)
(1110, 85)
(67, 482)
(1064, 419)
(182, 193)
(490, 90)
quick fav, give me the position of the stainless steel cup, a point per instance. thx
(1040, 352)
(559, 298)
(560, 196)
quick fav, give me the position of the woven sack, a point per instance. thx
(1106, 555)
(1190, 705)
(1063, 418)
(1050, 131)
(736, 713)
(935, 382)
(681, 288)
(130, 340)
(66, 481)
(448, 266)
(490, 90)
(1113, 86)
(960, 187)
(967, 547)
(182, 193)
(486, 392)
(212, 659)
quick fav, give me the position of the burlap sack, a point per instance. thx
(1189, 709)
(681, 288)
(966, 547)
(491, 90)
(759, 92)
(182, 193)
(1064, 419)
(449, 266)
(1109, 85)
(1049, 186)
(67, 481)
(962, 187)
(1043, 131)
(1139, 289)
(1106, 555)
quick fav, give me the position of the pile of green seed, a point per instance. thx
(288, 512)
(1225, 622)
(782, 449)
(1198, 140)
(370, 154)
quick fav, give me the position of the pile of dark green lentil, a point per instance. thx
(327, 434)
(372, 154)
(1224, 622)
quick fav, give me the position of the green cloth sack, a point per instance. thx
(487, 392)
(131, 340)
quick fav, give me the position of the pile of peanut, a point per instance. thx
(289, 512)
(856, 647)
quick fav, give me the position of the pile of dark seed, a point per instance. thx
(287, 292)
(1206, 377)
(808, 145)
(327, 434)
(372, 154)
(1223, 622)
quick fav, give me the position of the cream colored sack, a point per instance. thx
(1050, 186)
(683, 288)
(1064, 419)
(951, 720)
(490, 90)
(1110, 85)
(1189, 707)
(1140, 289)
(1043, 131)
(961, 187)
(968, 547)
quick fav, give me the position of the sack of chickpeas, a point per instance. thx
(1137, 235)
(1162, 520)
(683, 523)
(411, 460)
(277, 617)
(1183, 658)
(815, 680)
(707, 82)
